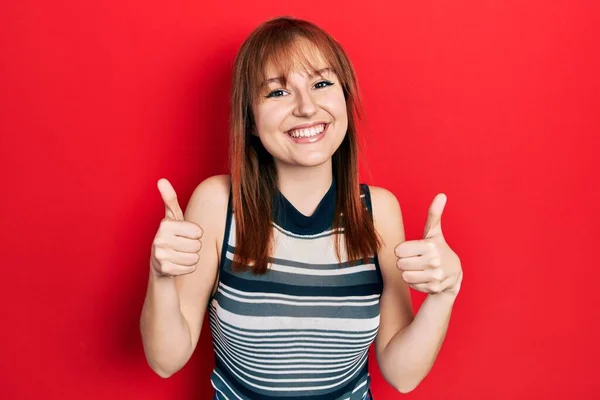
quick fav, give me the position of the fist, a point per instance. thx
(176, 246)
(429, 265)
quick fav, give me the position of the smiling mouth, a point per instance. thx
(307, 132)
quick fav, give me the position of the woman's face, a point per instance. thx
(305, 122)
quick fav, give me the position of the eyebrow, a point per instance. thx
(280, 78)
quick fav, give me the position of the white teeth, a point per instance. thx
(315, 130)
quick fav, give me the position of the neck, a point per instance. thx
(304, 187)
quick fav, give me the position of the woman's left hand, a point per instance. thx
(430, 265)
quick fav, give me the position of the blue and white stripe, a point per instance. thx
(300, 331)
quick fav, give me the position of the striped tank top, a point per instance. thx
(303, 329)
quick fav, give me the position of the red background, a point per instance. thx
(494, 103)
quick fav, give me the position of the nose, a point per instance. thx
(305, 104)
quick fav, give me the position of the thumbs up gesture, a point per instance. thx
(176, 246)
(429, 265)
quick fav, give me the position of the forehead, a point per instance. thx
(302, 57)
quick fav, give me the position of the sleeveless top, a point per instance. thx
(303, 329)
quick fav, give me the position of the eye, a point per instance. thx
(274, 93)
(326, 83)
(318, 85)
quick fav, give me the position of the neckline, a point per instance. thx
(289, 218)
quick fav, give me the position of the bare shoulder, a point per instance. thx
(208, 209)
(389, 225)
(207, 206)
(387, 213)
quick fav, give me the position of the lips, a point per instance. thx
(310, 138)
(306, 126)
(305, 132)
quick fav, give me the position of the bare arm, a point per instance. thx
(406, 345)
(175, 307)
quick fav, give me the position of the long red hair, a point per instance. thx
(253, 173)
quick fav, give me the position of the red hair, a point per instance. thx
(253, 173)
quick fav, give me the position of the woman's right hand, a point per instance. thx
(177, 242)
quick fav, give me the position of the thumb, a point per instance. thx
(433, 226)
(172, 209)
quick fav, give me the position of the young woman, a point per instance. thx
(300, 267)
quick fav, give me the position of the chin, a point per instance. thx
(314, 161)
(305, 157)
(308, 162)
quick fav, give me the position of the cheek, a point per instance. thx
(268, 118)
(337, 106)
(268, 121)
(340, 114)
